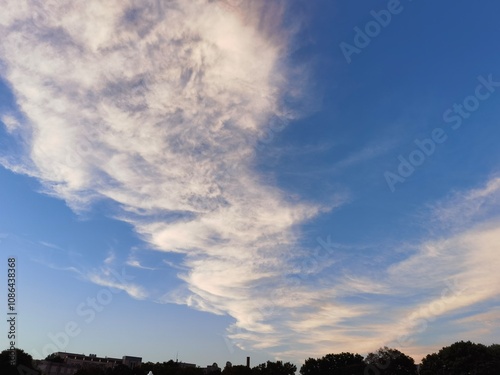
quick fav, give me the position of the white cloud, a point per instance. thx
(110, 278)
(110, 259)
(461, 208)
(137, 264)
(402, 303)
(11, 122)
(161, 115)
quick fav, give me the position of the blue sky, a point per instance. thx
(274, 179)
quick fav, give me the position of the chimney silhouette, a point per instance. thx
(248, 362)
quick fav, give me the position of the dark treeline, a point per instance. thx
(174, 368)
(463, 358)
(22, 359)
(460, 358)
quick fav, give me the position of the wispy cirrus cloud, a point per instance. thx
(110, 278)
(399, 303)
(10, 121)
(463, 207)
(158, 107)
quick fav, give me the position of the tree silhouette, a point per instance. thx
(22, 359)
(463, 358)
(274, 368)
(386, 361)
(237, 370)
(91, 370)
(334, 364)
(54, 358)
(120, 370)
(167, 368)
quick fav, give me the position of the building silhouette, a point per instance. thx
(72, 362)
